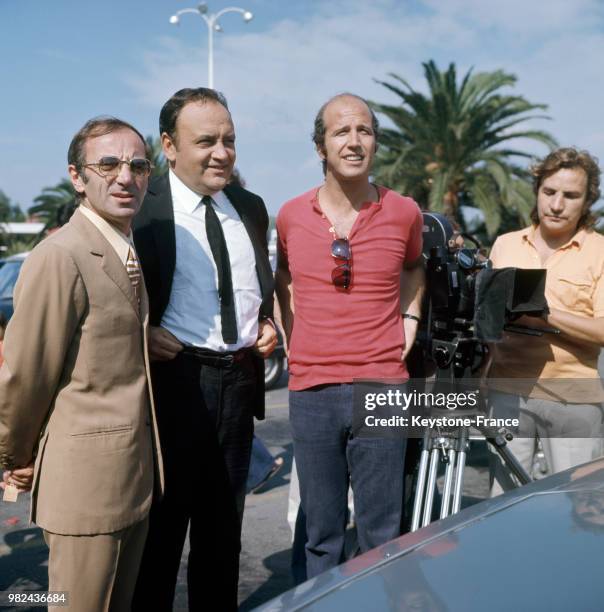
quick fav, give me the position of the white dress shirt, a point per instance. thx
(193, 312)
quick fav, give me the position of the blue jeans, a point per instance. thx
(261, 464)
(328, 459)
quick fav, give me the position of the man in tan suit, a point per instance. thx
(75, 400)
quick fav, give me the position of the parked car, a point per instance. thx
(538, 548)
(9, 271)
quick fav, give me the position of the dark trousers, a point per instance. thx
(329, 459)
(205, 418)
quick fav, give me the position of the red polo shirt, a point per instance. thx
(340, 335)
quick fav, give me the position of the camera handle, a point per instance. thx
(530, 331)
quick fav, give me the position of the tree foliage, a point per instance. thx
(453, 145)
(55, 204)
(157, 156)
(9, 210)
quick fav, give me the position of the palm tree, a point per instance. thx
(55, 205)
(9, 210)
(160, 165)
(452, 145)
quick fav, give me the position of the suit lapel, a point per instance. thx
(116, 271)
(110, 262)
(144, 305)
(160, 209)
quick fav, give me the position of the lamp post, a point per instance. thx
(211, 20)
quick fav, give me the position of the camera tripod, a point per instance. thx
(454, 356)
(467, 304)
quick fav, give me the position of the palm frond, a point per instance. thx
(449, 141)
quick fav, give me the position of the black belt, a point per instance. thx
(215, 358)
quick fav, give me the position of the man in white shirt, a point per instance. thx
(203, 249)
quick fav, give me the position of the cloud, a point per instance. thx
(277, 78)
(521, 18)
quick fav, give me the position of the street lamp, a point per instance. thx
(211, 20)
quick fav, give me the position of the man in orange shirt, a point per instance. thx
(552, 380)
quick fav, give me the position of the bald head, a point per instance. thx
(318, 136)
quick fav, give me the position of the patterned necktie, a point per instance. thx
(220, 253)
(134, 272)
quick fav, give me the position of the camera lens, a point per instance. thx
(466, 259)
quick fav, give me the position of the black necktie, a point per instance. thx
(223, 265)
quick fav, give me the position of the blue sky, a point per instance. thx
(64, 61)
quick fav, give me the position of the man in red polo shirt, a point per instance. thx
(349, 263)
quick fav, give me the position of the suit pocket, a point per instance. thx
(105, 431)
(107, 439)
(95, 483)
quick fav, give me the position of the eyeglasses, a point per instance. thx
(342, 273)
(111, 166)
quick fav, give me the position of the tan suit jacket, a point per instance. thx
(74, 388)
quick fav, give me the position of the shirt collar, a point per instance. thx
(186, 199)
(118, 240)
(314, 200)
(579, 237)
(528, 235)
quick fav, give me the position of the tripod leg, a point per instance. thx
(500, 445)
(420, 488)
(430, 487)
(444, 506)
(461, 464)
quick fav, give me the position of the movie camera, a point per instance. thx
(467, 305)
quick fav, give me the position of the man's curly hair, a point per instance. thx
(569, 157)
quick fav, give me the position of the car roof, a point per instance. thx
(539, 547)
(16, 257)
